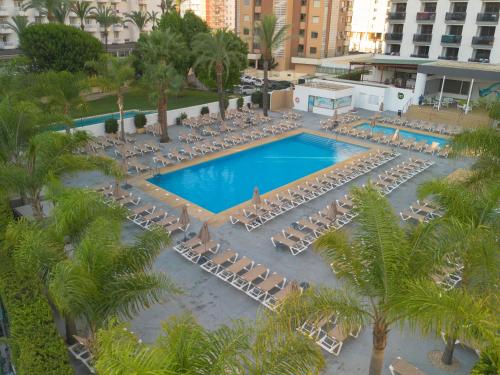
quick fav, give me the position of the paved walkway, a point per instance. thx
(214, 302)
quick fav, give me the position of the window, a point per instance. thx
(300, 48)
(246, 17)
(316, 3)
(315, 19)
(246, 2)
(302, 17)
(312, 50)
(314, 35)
(246, 31)
(256, 16)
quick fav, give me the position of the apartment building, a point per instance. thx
(368, 25)
(118, 34)
(457, 30)
(318, 28)
(218, 14)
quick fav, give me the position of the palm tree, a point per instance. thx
(269, 38)
(114, 75)
(83, 10)
(49, 156)
(61, 11)
(374, 264)
(105, 17)
(160, 50)
(468, 236)
(18, 24)
(178, 4)
(62, 93)
(104, 278)
(139, 19)
(153, 17)
(484, 144)
(46, 7)
(218, 50)
(186, 347)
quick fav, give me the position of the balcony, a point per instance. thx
(483, 41)
(448, 57)
(483, 60)
(396, 16)
(5, 29)
(420, 55)
(451, 39)
(490, 18)
(426, 16)
(394, 37)
(7, 45)
(455, 17)
(422, 38)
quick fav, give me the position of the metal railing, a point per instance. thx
(426, 16)
(394, 36)
(451, 39)
(487, 17)
(483, 40)
(427, 38)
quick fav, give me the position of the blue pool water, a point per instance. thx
(222, 183)
(403, 133)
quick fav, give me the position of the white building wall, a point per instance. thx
(118, 34)
(368, 16)
(198, 7)
(470, 29)
(301, 98)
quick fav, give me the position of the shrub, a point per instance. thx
(184, 116)
(140, 121)
(111, 125)
(257, 98)
(205, 110)
(353, 76)
(488, 363)
(495, 111)
(239, 102)
(58, 47)
(36, 346)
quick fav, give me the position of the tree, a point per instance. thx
(188, 27)
(219, 51)
(160, 51)
(49, 8)
(49, 155)
(105, 17)
(153, 17)
(18, 24)
(58, 47)
(61, 92)
(83, 10)
(468, 236)
(139, 19)
(374, 263)
(270, 38)
(114, 74)
(185, 347)
(483, 144)
(61, 11)
(104, 278)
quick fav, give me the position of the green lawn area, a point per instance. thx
(141, 101)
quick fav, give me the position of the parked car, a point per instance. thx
(245, 89)
(246, 80)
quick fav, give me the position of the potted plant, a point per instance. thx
(111, 126)
(204, 110)
(239, 103)
(140, 122)
(183, 116)
(256, 99)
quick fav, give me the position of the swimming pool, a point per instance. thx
(404, 133)
(222, 183)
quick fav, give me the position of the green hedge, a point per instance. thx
(36, 346)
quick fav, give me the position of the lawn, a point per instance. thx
(141, 101)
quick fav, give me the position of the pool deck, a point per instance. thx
(214, 302)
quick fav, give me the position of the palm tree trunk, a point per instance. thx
(106, 39)
(82, 25)
(379, 343)
(265, 87)
(70, 330)
(162, 117)
(220, 93)
(36, 206)
(120, 109)
(447, 357)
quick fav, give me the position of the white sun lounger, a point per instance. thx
(245, 280)
(239, 267)
(196, 252)
(219, 262)
(261, 290)
(295, 246)
(274, 301)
